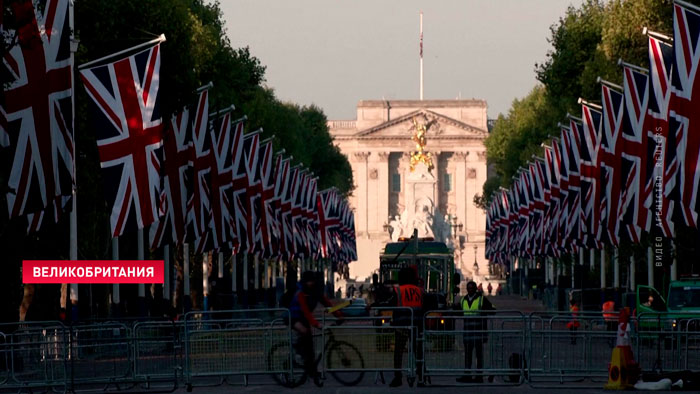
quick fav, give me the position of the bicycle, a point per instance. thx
(338, 354)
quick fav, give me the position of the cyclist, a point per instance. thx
(301, 309)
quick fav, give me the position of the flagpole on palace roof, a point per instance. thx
(421, 55)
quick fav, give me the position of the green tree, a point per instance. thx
(586, 44)
(196, 52)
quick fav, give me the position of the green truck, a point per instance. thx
(675, 311)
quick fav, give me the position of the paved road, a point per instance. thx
(369, 387)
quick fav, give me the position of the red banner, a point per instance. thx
(92, 271)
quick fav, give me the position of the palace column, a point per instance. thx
(382, 196)
(438, 185)
(361, 177)
(460, 184)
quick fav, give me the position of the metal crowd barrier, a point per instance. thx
(211, 348)
(369, 344)
(498, 335)
(223, 344)
(33, 355)
(563, 348)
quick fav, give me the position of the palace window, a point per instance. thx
(396, 183)
(447, 182)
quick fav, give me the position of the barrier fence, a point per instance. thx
(231, 347)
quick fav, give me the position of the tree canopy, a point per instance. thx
(196, 52)
(586, 43)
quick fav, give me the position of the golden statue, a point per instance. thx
(420, 155)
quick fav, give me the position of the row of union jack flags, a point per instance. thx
(194, 176)
(624, 167)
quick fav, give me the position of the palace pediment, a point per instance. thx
(438, 127)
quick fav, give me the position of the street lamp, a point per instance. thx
(455, 226)
(476, 265)
(387, 227)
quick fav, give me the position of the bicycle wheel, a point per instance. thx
(343, 355)
(278, 360)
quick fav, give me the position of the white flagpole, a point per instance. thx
(650, 267)
(256, 271)
(221, 265)
(234, 274)
(186, 277)
(166, 272)
(141, 256)
(245, 272)
(616, 269)
(115, 286)
(158, 40)
(74, 211)
(602, 268)
(206, 258)
(421, 55)
(632, 273)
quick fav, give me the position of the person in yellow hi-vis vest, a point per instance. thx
(475, 326)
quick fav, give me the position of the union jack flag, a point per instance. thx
(590, 175)
(684, 110)
(129, 135)
(563, 176)
(286, 222)
(178, 152)
(545, 205)
(635, 163)
(177, 189)
(523, 210)
(347, 231)
(222, 137)
(312, 236)
(300, 243)
(553, 176)
(245, 161)
(659, 194)
(571, 142)
(265, 219)
(198, 204)
(36, 121)
(611, 165)
(281, 185)
(326, 219)
(504, 208)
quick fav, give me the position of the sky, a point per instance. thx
(333, 53)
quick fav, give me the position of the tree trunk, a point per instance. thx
(26, 301)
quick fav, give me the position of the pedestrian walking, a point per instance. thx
(473, 306)
(489, 288)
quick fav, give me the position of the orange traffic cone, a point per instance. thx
(623, 371)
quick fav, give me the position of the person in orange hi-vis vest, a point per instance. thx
(408, 297)
(610, 318)
(574, 324)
